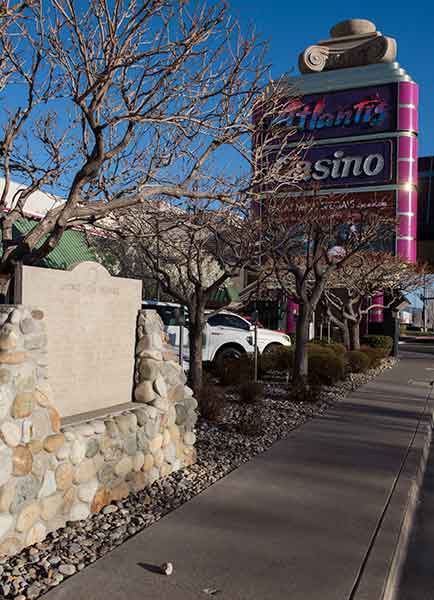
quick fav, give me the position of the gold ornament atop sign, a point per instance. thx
(353, 43)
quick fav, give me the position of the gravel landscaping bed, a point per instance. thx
(221, 448)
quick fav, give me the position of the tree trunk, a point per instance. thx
(346, 335)
(195, 373)
(300, 371)
(5, 281)
(355, 335)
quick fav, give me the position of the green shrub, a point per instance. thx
(325, 367)
(211, 402)
(358, 362)
(235, 371)
(280, 359)
(375, 355)
(384, 342)
(337, 348)
(250, 392)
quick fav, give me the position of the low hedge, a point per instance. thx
(375, 355)
(234, 371)
(280, 359)
(357, 361)
(325, 367)
(384, 342)
(338, 348)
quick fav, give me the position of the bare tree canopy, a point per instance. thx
(111, 104)
(308, 246)
(361, 278)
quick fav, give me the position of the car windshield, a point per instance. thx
(225, 320)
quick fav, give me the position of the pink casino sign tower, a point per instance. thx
(359, 108)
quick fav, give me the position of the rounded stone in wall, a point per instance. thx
(101, 499)
(11, 433)
(174, 432)
(177, 393)
(41, 424)
(170, 453)
(85, 471)
(124, 466)
(79, 512)
(5, 376)
(106, 474)
(27, 325)
(12, 358)
(120, 491)
(148, 462)
(23, 405)
(166, 469)
(8, 337)
(158, 457)
(131, 444)
(78, 451)
(64, 476)
(54, 442)
(87, 491)
(92, 447)
(123, 424)
(6, 399)
(6, 522)
(49, 485)
(7, 495)
(35, 446)
(51, 506)
(142, 440)
(148, 369)
(22, 461)
(189, 438)
(152, 429)
(144, 392)
(99, 427)
(44, 394)
(54, 419)
(138, 461)
(25, 490)
(156, 443)
(160, 386)
(28, 517)
(64, 452)
(181, 414)
(68, 501)
(36, 534)
(111, 428)
(10, 546)
(162, 404)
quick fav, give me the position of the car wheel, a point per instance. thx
(229, 353)
(272, 348)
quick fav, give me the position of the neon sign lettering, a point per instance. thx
(312, 116)
(342, 167)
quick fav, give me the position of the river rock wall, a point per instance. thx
(51, 474)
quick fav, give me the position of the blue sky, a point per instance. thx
(291, 26)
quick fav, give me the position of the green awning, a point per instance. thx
(72, 248)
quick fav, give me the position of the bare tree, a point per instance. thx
(360, 279)
(308, 239)
(112, 104)
(192, 253)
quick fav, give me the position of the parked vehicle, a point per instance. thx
(226, 334)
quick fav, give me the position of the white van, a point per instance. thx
(226, 334)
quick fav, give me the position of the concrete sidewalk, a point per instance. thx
(295, 522)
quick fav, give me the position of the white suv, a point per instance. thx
(226, 334)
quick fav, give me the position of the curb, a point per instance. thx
(401, 549)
